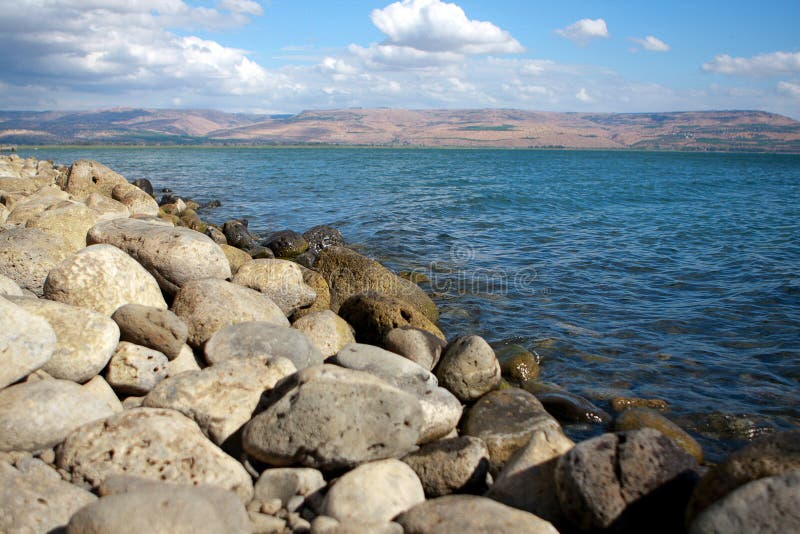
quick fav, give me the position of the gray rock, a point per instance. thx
(223, 397)
(328, 525)
(453, 465)
(373, 315)
(150, 443)
(27, 342)
(328, 417)
(87, 176)
(280, 280)
(158, 329)
(33, 498)
(326, 330)
(765, 505)
(85, 339)
(102, 278)
(8, 287)
(207, 306)
(173, 255)
(285, 484)
(468, 368)
(469, 513)
(38, 415)
(415, 344)
(374, 492)
(264, 340)
(135, 370)
(28, 254)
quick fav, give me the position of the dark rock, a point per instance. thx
(145, 185)
(168, 199)
(517, 363)
(307, 259)
(468, 368)
(455, 465)
(373, 315)
(286, 244)
(238, 235)
(166, 190)
(257, 252)
(620, 404)
(211, 205)
(151, 327)
(638, 418)
(323, 236)
(570, 408)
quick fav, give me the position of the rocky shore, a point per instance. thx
(161, 374)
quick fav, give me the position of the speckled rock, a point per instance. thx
(137, 201)
(102, 278)
(326, 330)
(323, 236)
(374, 315)
(453, 465)
(26, 207)
(135, 370)
(68, 219)
(263, 340)
(27, 342)
(236, 257)
(155, 328)
(317, 283)
(620, 404)
(28, 254)
(87, 176)
(417, 345)
(638, 418)
(517, 363)
(281, 280)
(468, 368)
(286, 244)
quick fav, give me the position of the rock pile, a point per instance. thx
(160, 374)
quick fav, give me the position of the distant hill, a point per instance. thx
(753, 131)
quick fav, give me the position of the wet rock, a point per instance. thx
(155, 328)
(415, 344)
(620, 404)
(374, 315)
(144, 184)
(87, 176)
(468, 368)
(135, 370)
(106, 209)
(323, 236)
(27, 342)
(571, 408)
(137, 201)
(237, 235)
(374, 492)
(236, 257)
(151, 443)
(469, 513)
(68, 219)
(317, 283)
(517, 363)
(263, 340)
(454, 465)
(326, 330)
(307, 259)
(328, 417)
(102, 278)
(208, 305)
(638, 418)
(286, 244)
(280, 280)
(28, 254)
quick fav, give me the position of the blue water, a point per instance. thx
(661, 275)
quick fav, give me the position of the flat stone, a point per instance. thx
(417, 345)
(468, 368)
(87, 176)
(280, 280)
(151, 327)
(638, 418)
(453, 465)
(135, 370)
(28, 254)
(27, 342)
(374, 315)
(264, 340)
(326, 330)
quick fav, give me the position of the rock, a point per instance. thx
(328, 417)
(417, 345)
(469, 513)
(285, 484)
(106, 209)
(102, 278)
(27, 342)
(263, 340)
(258, 252)
(186, 361)
(323, 236)
(769, 456)
(38, 415)
(638, 418)
(505, 420)
(454, 465)
(236, 257)
(570, 408)
(349, 273)
(207, 306)
(620, 404)
(216, 235)
(280, 280)
(33, 498)
(151, 327)
(307, 259)
(468, 368)
(238, 235)
(151, 443)
(441, 410)
(144, 184)
(326, 330)
(635, 481)
(267, 524)
(87, 176)
(85, 339)
(220, 398)
(327, 525)
(26, 207)
(98, 387)
(173, 256)
(135, 370)
(517, 364)
(28, 254)
(373, 315)
(9, 288)
(317, 283)
(67, 219)
(374, 492)
(137, 201)
(527, 481)
(769, 504)
(286, 244)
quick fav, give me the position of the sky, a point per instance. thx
(285, 56)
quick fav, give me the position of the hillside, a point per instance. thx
(692, 131)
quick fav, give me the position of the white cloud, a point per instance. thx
(762, 65)
(790, 89)
(584, 30)
(583, 96)
(651, 43)
(248, 7)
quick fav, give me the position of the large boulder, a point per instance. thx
(68, 219)
(373, 315)
(173, 255)
(27, 342)
(87, 177)
(28, 254)
(106, 209)
(29, 206)
(281, 280)
(468, 368)
(262, 340)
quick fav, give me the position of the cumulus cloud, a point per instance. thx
(651, 43)
(584, 30)
(762, 65)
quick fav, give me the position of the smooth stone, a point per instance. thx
(207, 306)
(33, 498)
(102, 278)
(505, 420)
(327, 525)
(470, 513)
(620, 404)
(216, 235)
(323, 236)
(27, 342)
(135, 370)
(237, 235)
(151, 327)
(9, 288)
(150, 443)
(137, 201)
(236, 257)
(186, 361)
(638, 418)
(349, 273)
(454, 465)
(85, 339)
(106, 209)
(257, 252)
(263, 340)
(374, 315)
(468, 368)
(101, 389)
(286, 244)
(280, 280)
(571, 408)
(374, 492)
(285, 484)
(415, 344)
(172, 255)
(221, 398)
(87, 176)
(634, 481)
(326, 330)
(27, 255)
(517, 363)
(317, 283)
(144, 184)
(67, 219)
(39, 415)
(328, 417)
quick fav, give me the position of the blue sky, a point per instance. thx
(282, 56)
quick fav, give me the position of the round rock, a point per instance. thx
(27, 342)
(468, 368)
(638, 418)
(326, 330)
(155, 328)
(67, 219)
(374, 315)
(417, 345)
(135, 370)
(454, 465)
(280, 280)
(571, 408)
(137, 201)
(286, 244)
(237, 235)
(263, 340)
(323, 236)
(87, 176)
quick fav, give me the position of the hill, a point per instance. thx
(753, 131)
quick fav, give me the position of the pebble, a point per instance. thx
(135, 370)
(468, 368)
